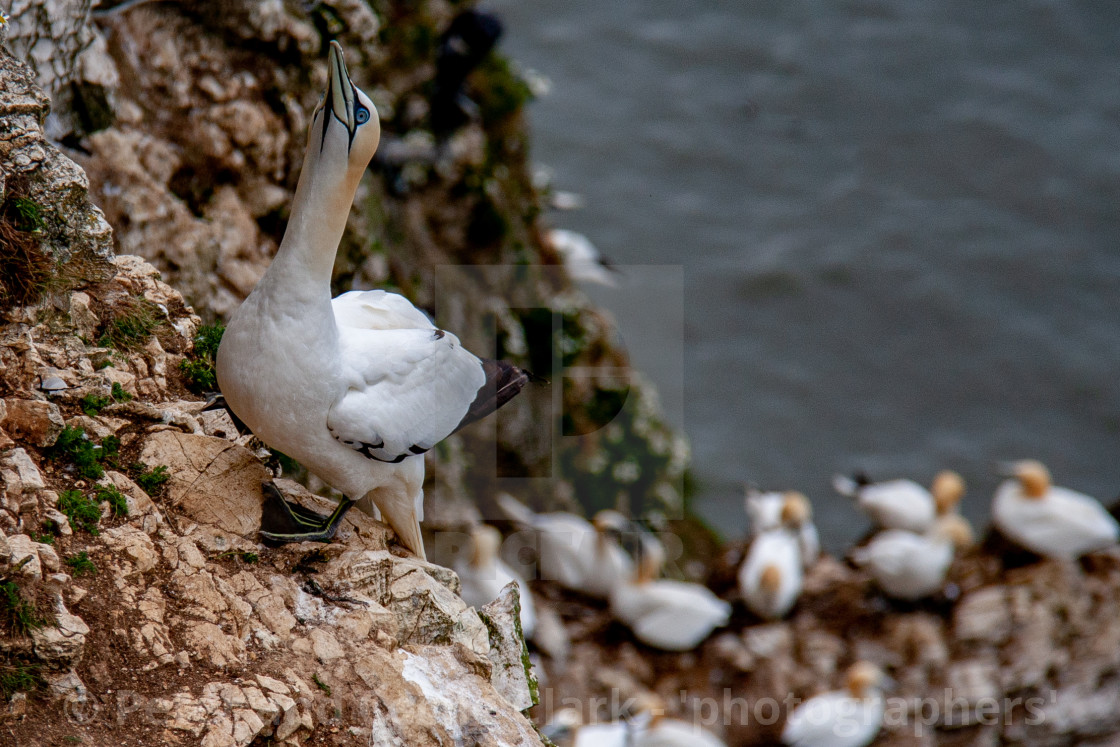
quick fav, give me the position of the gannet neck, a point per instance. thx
(318, 219)
(342, 139)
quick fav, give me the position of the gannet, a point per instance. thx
(771, 574)
(645, 726)
(358, 388)
(581, 555)
(766, 511)
(902, 504)
(850, 717)
(581, 258)
(1049, 520)
(910, 566)
(484, 574)
(663, 613)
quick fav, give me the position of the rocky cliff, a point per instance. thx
(136, 606)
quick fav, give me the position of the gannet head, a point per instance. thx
(486, 541)
(957, 530)
(651, 560)
(864, 678)
(345, 129)
(1032, 475)
(648, 708)
(795, 509)
(947, 489)
(609, 520)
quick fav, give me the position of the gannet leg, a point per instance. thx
(283, 522)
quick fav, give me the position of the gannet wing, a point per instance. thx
(407, 390)
(378, 309)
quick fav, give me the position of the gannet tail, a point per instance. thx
(400, 514)
(503, 382)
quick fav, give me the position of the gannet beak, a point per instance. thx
(340, 99)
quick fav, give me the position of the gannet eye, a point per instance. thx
(361, 116)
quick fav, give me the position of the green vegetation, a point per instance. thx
(83, 513)
(320, 684)
(151, 480)
(133, 323)
(18, 614)
(93, 404)
(73, 445)
(25, 215)
(118, 504)
(81, 565)
(25, 269)
(198, 367)
(19, 678)
(498, 90)
(43, 539)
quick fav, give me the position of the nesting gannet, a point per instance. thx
(770, 510)
(850, 717)
(646, 726)
(581, 555)
(1050, 520)
(771, 574)
(581, 259)
(910, 566)
(901, 504)
(483, 575)
(663, 613)
(358, 388)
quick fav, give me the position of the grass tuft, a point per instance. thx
(93, 404)
(132, 324)
(118, 504)
(73, 445)
(19, 614)
(19, 678)
(81, 565)
(198, 367)
(151, 480)
(83, 513)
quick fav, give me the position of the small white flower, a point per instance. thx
(626, 472)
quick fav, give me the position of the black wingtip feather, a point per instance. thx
(504, 381)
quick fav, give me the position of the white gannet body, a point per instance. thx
(851, 717)
(483, 575)
(765, 512)
(894, 504)
(355, 389)
(581, 259)
(770, 576)
(1052, 521)
(576, 553)
(663, 613)
(911, 566)
(647, 727)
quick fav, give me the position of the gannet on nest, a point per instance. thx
(770, 577)
(1049, 520)
(358, 388)
(664, 613)
(578, 554)
(770, 510)
(851, 717)
(910, 566)
(903, 504)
